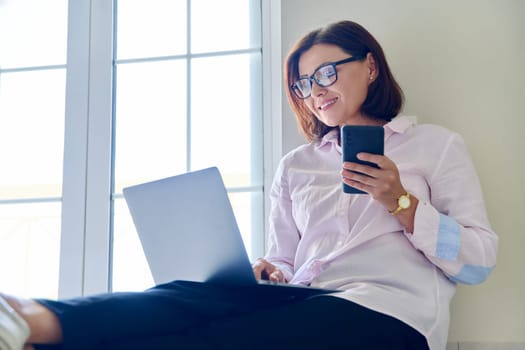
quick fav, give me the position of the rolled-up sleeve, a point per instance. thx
(452, 229)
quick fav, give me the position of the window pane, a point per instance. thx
(150, 121)
(151, 28)
(247, 207)
(130, 268)
(33, 33)
(30, 249)
(221, 105)
(224, 25)
(32, 133)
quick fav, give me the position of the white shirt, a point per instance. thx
(321, 236)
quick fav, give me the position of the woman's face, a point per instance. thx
(340, 103)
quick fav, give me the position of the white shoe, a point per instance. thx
(14, 331)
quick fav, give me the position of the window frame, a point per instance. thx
(86, 206)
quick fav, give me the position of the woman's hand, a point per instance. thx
(383, 184)
(263, 270)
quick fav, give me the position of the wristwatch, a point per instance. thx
(403, 202)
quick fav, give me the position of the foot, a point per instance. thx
(14, 331)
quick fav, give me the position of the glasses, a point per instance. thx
(323, 76)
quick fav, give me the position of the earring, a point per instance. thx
(371, 77)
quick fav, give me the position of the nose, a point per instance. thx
(316, 89)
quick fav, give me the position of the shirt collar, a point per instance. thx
(399, 125)
(331, 137)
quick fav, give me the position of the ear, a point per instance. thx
(373, 70)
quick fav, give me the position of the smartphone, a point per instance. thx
(361, 138)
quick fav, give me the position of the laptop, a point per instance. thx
(188, 232)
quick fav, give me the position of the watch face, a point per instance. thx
(404, 202)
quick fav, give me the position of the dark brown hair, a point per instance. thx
(385, 97)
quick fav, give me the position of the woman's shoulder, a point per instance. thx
(434, 129)
(299, 152)
(440, 136)
(304, 155)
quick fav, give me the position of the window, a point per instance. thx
(153, 88)
(32, 97)
(188, 96)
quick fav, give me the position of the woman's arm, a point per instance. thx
(452, 229)
(283, 235)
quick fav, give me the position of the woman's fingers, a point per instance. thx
(276, 276)
(382, 183)
(258, 268)
(263, 270)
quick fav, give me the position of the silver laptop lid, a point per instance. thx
(188, 229)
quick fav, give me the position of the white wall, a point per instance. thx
(460, 64)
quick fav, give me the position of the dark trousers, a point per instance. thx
(187, 315)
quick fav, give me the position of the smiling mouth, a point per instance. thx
(327, 104)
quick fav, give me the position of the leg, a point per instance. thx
(168, 309)
(322, 322)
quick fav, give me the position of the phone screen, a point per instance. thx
(361, 138)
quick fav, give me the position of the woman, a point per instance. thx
(394, 253)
